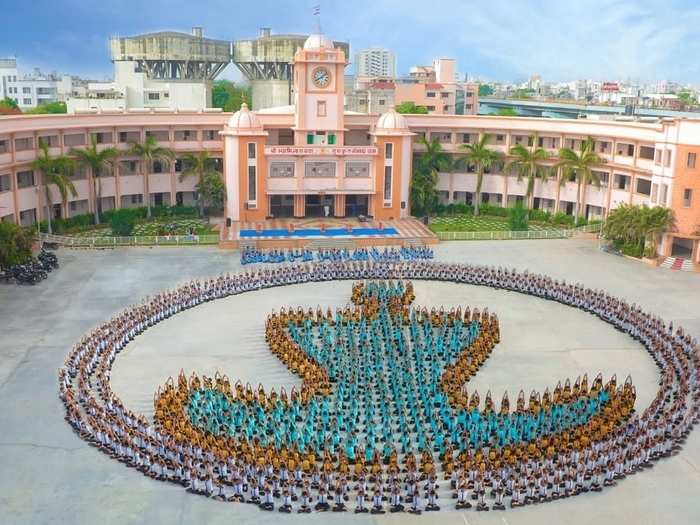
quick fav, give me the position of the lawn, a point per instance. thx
(481, 223)
(156, 226)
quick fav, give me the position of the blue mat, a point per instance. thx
(315, 232)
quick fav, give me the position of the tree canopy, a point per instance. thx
(51, 107)
(485, 90)
(410, 108)
(637, 228)
(229, 96)
(507, 112)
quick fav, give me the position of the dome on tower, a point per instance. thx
(318, 41)
(392, 121)
(244, 119)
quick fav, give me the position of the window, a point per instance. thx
(500, 138)
(154, 96)
(24, 144)
(5, 183)
(103, 138)
(159, 135)
(251, 151)
(388, 150)
(319, 168)
(252, 184)
(27, 101)
(331, 139)
(3, 146)
(137, 198)
(309, 138)
(210, 134)
(667, 158)
(159, 166)
(654, 192)
(25, 179)
(657, 157)
(75, 139)
(321, 108)
(387, 183)
(663, 195)
(687, 197)
(281, 169)
(50, 140)
(26, 90)
(129, 136)
(622, 182)
(356, 169)
(185, 135)
(128, 167)
(430, 94)
(646, 152)
(382, 102)
(644, 186)
(603, 177)
(691, 160)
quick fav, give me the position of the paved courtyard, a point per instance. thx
(49, 475)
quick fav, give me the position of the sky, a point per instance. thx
(506, 40)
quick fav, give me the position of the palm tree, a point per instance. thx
(656, 221)
(55, 170)
(199, 165)
(580, 165)
(482, 158)
(149, 152)
(529, 163)
(97, 161)
(425, 176)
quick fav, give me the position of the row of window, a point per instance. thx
(106, 137)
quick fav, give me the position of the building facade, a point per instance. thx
(315, 158)
(34, 89)
(376, 62)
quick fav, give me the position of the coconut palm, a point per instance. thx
(199, 165)
(55, 171)
(580, 165)
(425, 175)
(529, 163)
(482, 158)
(640, 225)
(98, 162)
(149, 152)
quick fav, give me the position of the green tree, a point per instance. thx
(123, 222)
(506, 112)
(485, 90)
(55, 171)
(529, 163)
(410, 108)
(15, 244)
(212, 191)
(687, 98)
(50, 107)
(199, 165)
(98, 162)
(518, 218)
(228, 96)
(638, 226)
(482, 158)
(425, 175)
(149, 152)
(8, 103)
(580, 166)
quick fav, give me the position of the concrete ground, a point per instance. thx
(49, 475)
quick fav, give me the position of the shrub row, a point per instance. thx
(85, 221)
(557, 219)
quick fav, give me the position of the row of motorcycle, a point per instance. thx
(33, 271)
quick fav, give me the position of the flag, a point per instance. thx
(317, 10)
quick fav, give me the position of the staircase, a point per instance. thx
(678, 263)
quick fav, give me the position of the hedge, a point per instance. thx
(85, 221)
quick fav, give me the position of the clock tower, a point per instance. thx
(319, 70)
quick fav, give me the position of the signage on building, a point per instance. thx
(335, 151)
(610, 87)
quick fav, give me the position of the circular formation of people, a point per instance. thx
(251, 255)
(383, 420)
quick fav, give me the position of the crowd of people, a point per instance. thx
(576, 439)
(251, 255)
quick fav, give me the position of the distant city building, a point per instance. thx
(375, 62)
(36, 88)
(436, 87)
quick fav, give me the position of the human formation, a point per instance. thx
(383, 421)
(407, 253)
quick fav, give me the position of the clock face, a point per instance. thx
(321, 77)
